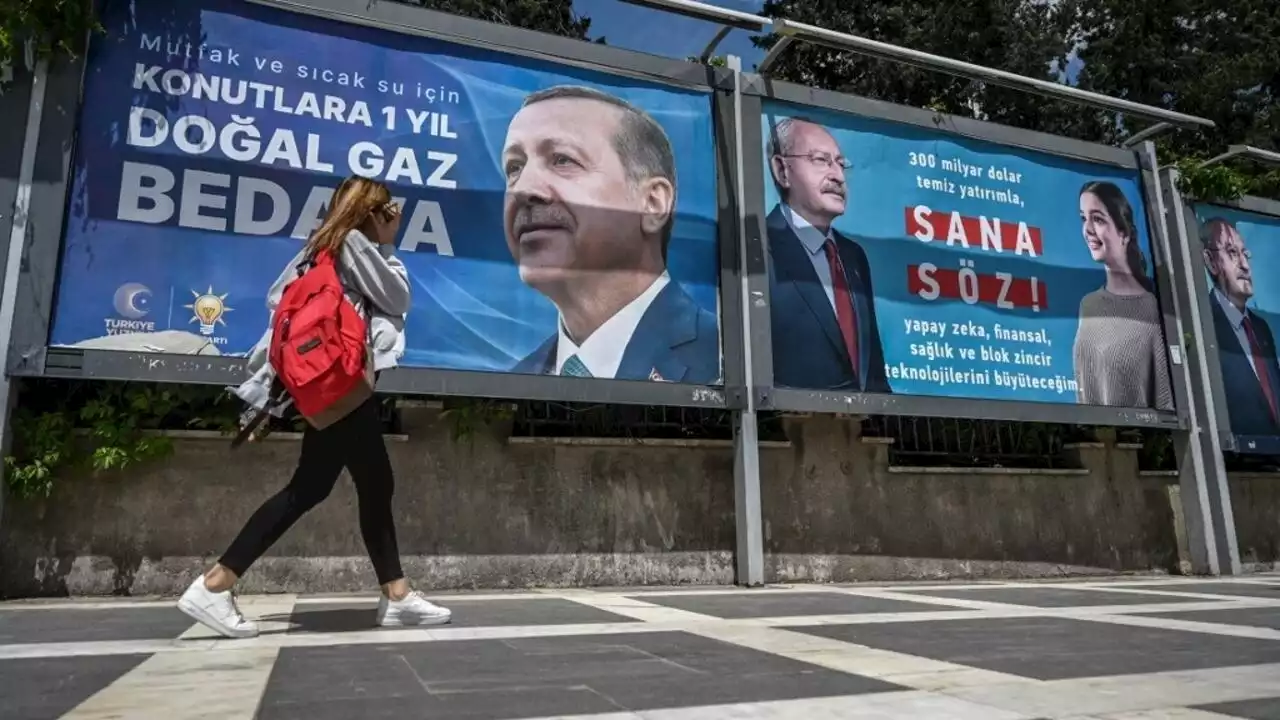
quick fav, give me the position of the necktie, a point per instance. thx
(845, 316)
(1260, 367)
(575, 367)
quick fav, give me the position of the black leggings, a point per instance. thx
(354, 442)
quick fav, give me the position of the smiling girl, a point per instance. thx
(1120, 357)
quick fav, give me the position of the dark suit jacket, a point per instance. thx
(808, 349)
(1246, 406)
(676, 338)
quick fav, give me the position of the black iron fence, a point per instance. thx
(559, 419)
(962, 442)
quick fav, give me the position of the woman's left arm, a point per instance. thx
(377, 273)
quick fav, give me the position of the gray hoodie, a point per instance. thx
(368, 272)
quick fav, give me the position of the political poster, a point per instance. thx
(554, 220)
(1244, 303)
(912, 261)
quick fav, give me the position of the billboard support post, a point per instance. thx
(17, 243)
(749, 551)
(1247, 442)
(1202, 475)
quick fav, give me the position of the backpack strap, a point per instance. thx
(368, 322)
(307, 263)
(310, 261)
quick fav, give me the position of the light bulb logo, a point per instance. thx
(208, 309)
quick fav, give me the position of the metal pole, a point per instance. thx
(770, 58)
(1247, 152)
(1202, 476)
(13, 261)
(727, 19)
(711, 46)
(709, 13)
(1143, 135)
(746, 441)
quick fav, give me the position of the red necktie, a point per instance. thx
(1260, 367)
(844, 303)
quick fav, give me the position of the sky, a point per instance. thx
(639, 28)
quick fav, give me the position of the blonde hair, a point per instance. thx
(352, 204)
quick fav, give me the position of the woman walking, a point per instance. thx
(359, 233)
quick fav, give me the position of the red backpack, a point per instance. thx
(320, 345)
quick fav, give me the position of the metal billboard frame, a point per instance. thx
(31, 356)
(736, 107)
(1202, 476)
(760, 88)
(1191, 226)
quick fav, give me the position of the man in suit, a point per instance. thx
(825, 334)
(590, 205)
(1246, 347)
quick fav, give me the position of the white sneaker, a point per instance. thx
(414, 609)
(216, 611)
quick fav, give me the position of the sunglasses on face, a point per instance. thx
(389, 210)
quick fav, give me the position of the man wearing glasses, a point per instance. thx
(825, 334)
(1247, 349)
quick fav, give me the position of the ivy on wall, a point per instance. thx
(103, 426)
(62, 428)
(466, 416)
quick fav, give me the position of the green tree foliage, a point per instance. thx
(1218, 60)
(60, 26)
(49, 26)
(1203, 57)
(1028, 38)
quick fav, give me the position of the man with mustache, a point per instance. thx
(590, 205)
(1246, 347)
(825, 334)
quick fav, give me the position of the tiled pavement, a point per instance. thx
(1150, 649)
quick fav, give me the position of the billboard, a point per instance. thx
(556, 220)
(1245, 308)
(911, 261)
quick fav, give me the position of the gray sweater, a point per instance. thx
(367, 271)
(1119, 352)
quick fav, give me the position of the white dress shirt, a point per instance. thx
(813, 240)
(602, 351)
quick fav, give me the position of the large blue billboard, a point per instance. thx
(1244, 302)
(213, 133)
(913, 261)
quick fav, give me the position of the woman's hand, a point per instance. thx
(261, 431)
(386, 220)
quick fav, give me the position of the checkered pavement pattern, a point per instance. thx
(1119, 649)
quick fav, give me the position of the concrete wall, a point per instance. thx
(837, 511)
(494, 511)
(1255, 500)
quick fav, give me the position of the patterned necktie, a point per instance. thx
(575, 367)
(1260, 367)
(845, 316)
